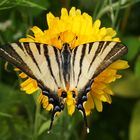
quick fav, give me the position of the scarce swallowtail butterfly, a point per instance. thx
(66, 69)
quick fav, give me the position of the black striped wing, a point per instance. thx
(39, 61)
(89, 60)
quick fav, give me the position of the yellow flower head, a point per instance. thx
(76, 28)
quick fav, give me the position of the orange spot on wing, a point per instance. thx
(67, 86)
(59, 92)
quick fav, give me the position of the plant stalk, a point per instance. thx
(36, 120)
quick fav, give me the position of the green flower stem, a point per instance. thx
(32, 4)
(99, 5)
(106, 9)
(37, 119)
(116, 15)
(115, 6)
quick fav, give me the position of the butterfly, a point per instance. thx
(63, 69)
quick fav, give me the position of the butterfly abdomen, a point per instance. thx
(66, 57)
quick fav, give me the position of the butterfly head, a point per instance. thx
(68, 37)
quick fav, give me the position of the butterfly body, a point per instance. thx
(63, 71)
(66, 57)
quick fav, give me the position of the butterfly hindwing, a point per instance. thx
(89, 60)
(39, 61)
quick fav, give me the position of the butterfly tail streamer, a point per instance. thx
(52, 120)
(85, 120)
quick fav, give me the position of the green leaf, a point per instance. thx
(33, 4)
(137, 68)
(135, 123)
(44, 127)
(5, 115)
(129, 86)
(36, 6)
(133, 44)
(7, 4)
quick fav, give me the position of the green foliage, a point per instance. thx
(44, 127)
(133, 44)
(129, 86)
(135, 123)
(137, 68)
(6, 4)
(15, 113)
(22, 118)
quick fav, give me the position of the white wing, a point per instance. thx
(89, 60)
(40, 61)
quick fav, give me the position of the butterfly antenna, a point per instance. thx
(52, 120)
(85, 119)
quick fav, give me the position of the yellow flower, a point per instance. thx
(67, 27)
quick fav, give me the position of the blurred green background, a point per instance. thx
(21, 117)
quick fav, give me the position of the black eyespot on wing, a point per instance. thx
(46, 93)
(73, 94)
(84, 98)
(57, 109)
(64, 94)
(51, 100)
(62, 106)
(79, 106)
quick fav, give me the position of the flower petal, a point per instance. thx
(76, 29)
(119, 64)
(98, 104)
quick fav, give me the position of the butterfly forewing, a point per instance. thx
(39, 61)
(44, 63)
(89, 60)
